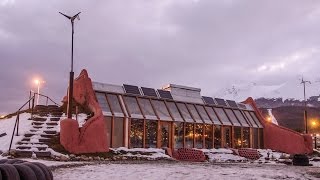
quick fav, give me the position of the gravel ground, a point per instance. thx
(184, 170)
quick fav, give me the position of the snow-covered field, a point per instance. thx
(192, 171)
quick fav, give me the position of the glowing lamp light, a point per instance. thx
(313, 123)
(269, 119)
(36, 81)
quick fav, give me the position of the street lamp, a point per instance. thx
(70, 91)
(38, 83)
(305, 104)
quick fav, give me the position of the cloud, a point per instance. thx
(203, 43)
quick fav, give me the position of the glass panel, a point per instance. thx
(132, 105)
(174, 111)
(246, 113)
(165, 134)
(189, 135)
(256, 119)
(261, 138)
(232, 117)
(136, 133)
(107, 121)
(151, 133)
(114, 103)
(227, 137)
(103, 102)
(198, 135)
(185, 113)
(208, 136)
(237, 137)
(161, 109)
(246, 137)
(222, 115)
(194, 113)
(203, 114)
(255, 138)
(178, 135)
(217, 137)
(241, 118)
(213, 115)
(118, 133)
(146, 107)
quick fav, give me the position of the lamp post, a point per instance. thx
(38, 83)
(305, 104)
(70, 91)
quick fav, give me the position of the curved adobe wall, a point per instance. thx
(91, 137)
(280, 138)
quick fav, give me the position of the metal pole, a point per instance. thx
(29, 98)
(70, 93)
(38, 96)
(305, 104)
(305, 108)
(32, 106)
(18, 119)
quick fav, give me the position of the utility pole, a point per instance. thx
(305, 104)
(70, 91)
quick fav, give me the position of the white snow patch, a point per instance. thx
(7, 125)
(149, 153)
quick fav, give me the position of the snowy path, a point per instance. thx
(186, 171)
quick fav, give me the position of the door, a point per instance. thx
(227, 137)
(165, 134)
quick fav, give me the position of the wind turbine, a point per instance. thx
(70, 91)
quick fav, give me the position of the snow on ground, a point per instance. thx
(222, 155)
(192, 171)
(56, 163)
(148, 153)
(7, 125)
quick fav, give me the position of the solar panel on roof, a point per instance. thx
(130, 89)
(149, 92)
(242, 106)
(232, 103)
(221, 102)
(165, 94)
(208, 100)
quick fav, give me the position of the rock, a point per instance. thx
(64, 158)
(77, 158)
(84, 158)
(34, 156)
(72, 156)
(124, 158)
(90, 158)
(96, 158)
(107, 159)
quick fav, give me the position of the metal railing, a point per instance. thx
(31, 104)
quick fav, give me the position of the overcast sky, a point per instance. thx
(208, 44)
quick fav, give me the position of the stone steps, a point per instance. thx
(44, 122)
(28, 153)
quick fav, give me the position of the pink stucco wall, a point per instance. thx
(91, 137)
(280, 138)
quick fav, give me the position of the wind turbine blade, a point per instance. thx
(75, 16)
(65, 15)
